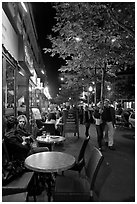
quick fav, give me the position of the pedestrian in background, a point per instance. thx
(87, 120)
(108, 117)
(81, 110)
(97, 115)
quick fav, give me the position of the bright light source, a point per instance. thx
(20, 72)
(30, 89)
(113, 40)
(42, 72)
(24, 7)
(62, 79)
(90, 88)
(108, 88)
(46, 92)
(78, 39)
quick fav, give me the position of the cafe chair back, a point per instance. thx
(79, 189)
(5, 153)
(17, 197)
(49, 128)
(81, 160)
(39, 123)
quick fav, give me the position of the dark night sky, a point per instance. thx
(43, 16)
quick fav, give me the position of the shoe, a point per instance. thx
(111, 148)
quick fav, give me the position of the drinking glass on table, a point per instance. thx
(48, 135)
(44, 133)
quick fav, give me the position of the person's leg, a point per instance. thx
(105, 133)
(101, 132)
(87, 129)
(110, 134)
(99, 136)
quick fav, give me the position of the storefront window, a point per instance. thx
(31, 105)
(9, 90)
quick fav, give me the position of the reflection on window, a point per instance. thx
(9, 86)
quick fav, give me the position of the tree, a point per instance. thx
(93, 38)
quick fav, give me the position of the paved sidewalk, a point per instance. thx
(120, 184)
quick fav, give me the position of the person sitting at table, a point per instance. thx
(16, 145)
(53, 120)
(19, 146)
(21, 128)
(51, 117)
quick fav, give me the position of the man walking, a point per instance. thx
(108, 117)
(87, 120)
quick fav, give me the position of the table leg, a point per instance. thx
(49, 187)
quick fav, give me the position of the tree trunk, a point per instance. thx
(95, 95)
(103, 82)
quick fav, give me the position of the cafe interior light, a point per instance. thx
(46, 92)
(20, 72)
(24, 7)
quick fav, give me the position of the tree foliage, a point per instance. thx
(90, 35)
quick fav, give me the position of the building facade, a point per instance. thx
(21, 61)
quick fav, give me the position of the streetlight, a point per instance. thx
(62, 79)
(108, 88)
(78, 39)
(90, 88)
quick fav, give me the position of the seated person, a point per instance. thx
(51, 118)
(19, 145)
(21, 128)
(40, 127)
(15, 143)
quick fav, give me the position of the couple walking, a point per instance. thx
(105, 119)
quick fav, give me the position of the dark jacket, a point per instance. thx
(88, 116)
(96, 113)
(22, 132)
(108, 115)
(51, 116)
(14, 145)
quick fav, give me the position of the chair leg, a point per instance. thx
(27, 199)
(35, 184)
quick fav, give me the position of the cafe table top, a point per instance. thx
(50, 139)
(49, 162)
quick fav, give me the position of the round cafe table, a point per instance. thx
(49, 162)
(50, 140)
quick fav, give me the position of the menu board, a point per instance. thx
(36, 113)
(70, 119)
